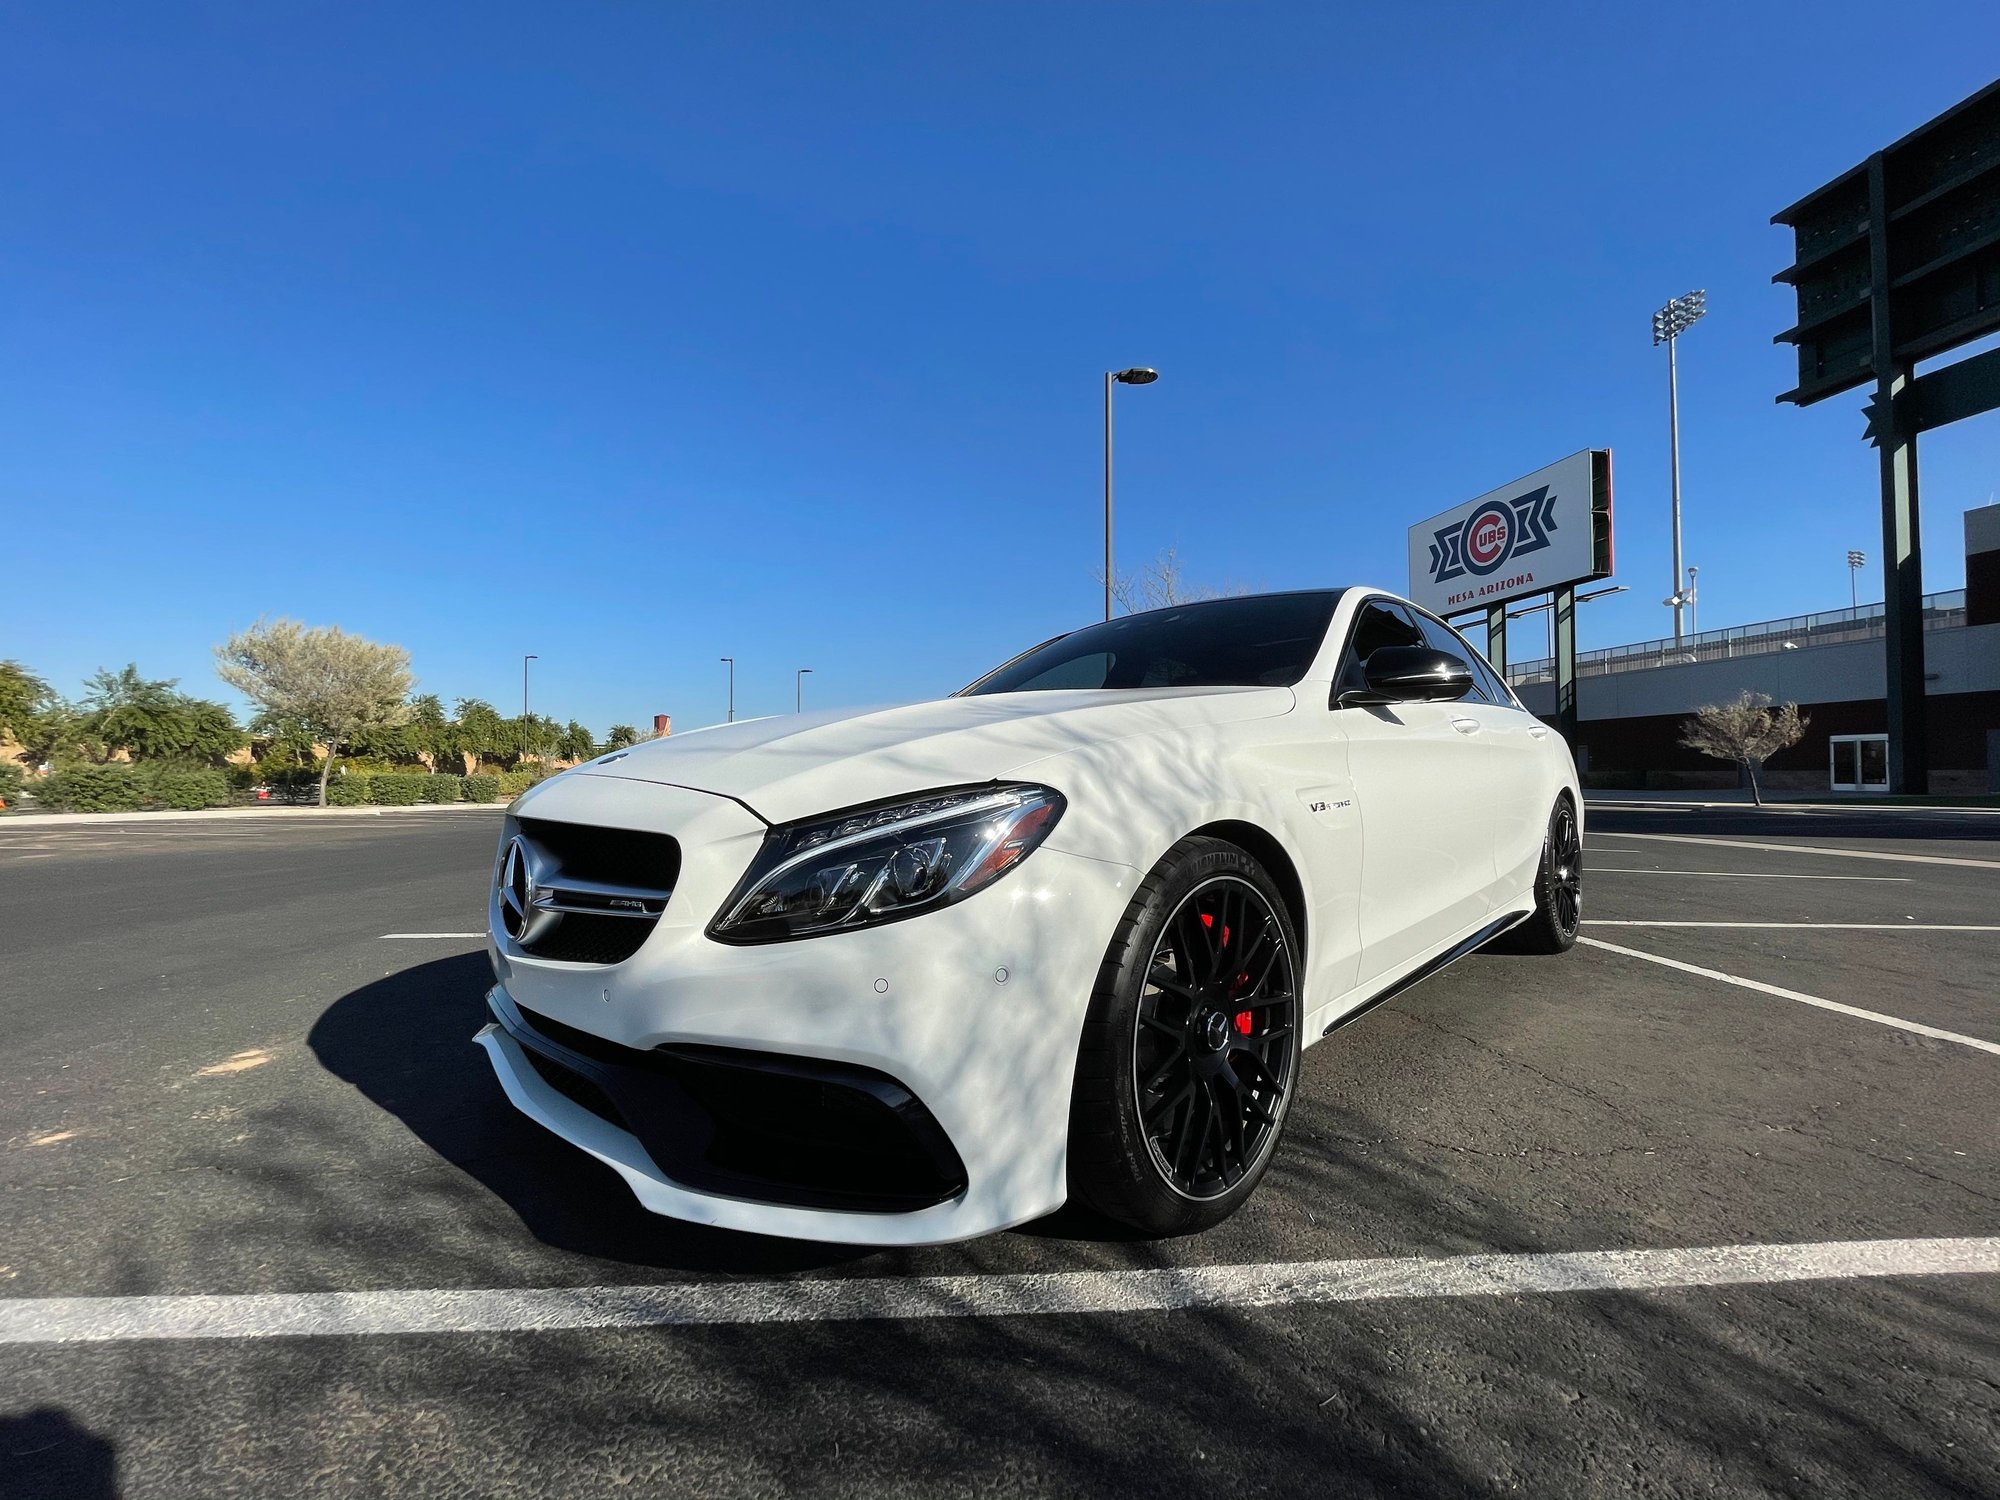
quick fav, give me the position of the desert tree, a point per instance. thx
(537, 737)
(149, 719)
(575, 743)
(36, 717)
(1748, 731)
(621, 736)
(480, 731)
(24, 697)
(334, 685)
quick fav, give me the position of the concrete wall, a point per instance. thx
(1958, 661)
(1840, 686)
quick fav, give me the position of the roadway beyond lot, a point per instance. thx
(223, 1079)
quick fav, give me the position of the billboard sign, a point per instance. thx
(1898, 259)
(1551, 528)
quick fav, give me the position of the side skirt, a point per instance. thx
(1424, 971)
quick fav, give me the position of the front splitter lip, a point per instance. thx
(620, 1150)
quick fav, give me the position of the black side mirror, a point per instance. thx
(1411, 674)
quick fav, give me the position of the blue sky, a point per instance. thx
(636, 335)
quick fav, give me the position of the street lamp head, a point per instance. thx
(1137, 375)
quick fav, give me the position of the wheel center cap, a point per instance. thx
(1214, 1031)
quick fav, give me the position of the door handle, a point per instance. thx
(1466, 726)
(1540, 733)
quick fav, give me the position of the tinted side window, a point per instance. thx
(1486, 684)
(1076, 672)
(1493, 682)
(1380, 624)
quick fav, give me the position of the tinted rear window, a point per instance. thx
(1265, 640)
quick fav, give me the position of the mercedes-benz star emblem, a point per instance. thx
(519, 892)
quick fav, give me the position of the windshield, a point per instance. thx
(1263, 640)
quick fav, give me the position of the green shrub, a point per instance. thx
(445, 788)
(513, 783)
(397, 790)
(87, 788)
(184, 787)
(350, 791)
(481, 788)
(10, 783)
(365, 765)
(119, 787)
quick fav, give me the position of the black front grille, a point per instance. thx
(757, 1125)
(600, 875)
(619, 855)
(592, 940)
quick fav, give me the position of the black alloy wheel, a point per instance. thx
(1212, 1044)
(1189, 1057)
(1552, 926)
(1566, 868)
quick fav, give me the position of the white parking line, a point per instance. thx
(1826, 926)
(1784, 994)
(73, 1320)
(387, 936)
(1597, 869)
(1913, 859)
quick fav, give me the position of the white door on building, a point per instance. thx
(1859, 762)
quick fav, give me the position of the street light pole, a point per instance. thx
(1107, 494)
(1137, 375)
(799, 689)
(524, 686)
(1669, 323)
(1674, 463)
(732, 686)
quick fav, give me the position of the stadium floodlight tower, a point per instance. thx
(1669, 323)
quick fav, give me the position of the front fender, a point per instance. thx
(1131, 802)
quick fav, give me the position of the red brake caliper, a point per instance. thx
(1242, 1018)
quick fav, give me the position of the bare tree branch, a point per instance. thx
(1163, 582)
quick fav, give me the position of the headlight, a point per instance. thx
(881, 864)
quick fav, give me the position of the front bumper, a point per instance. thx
(972, 1012)
(751, 1125)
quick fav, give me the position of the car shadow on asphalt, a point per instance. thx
(46, 1451)
(405, 1042)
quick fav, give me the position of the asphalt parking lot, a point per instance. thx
(1782, 1031)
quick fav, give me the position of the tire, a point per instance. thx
(1190, 1051)
(1552, 926)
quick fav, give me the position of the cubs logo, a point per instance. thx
(1494, 533)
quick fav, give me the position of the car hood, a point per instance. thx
(797, 765)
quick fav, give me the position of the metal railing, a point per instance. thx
(1834, 627)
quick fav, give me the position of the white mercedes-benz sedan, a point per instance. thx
(921, 973)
